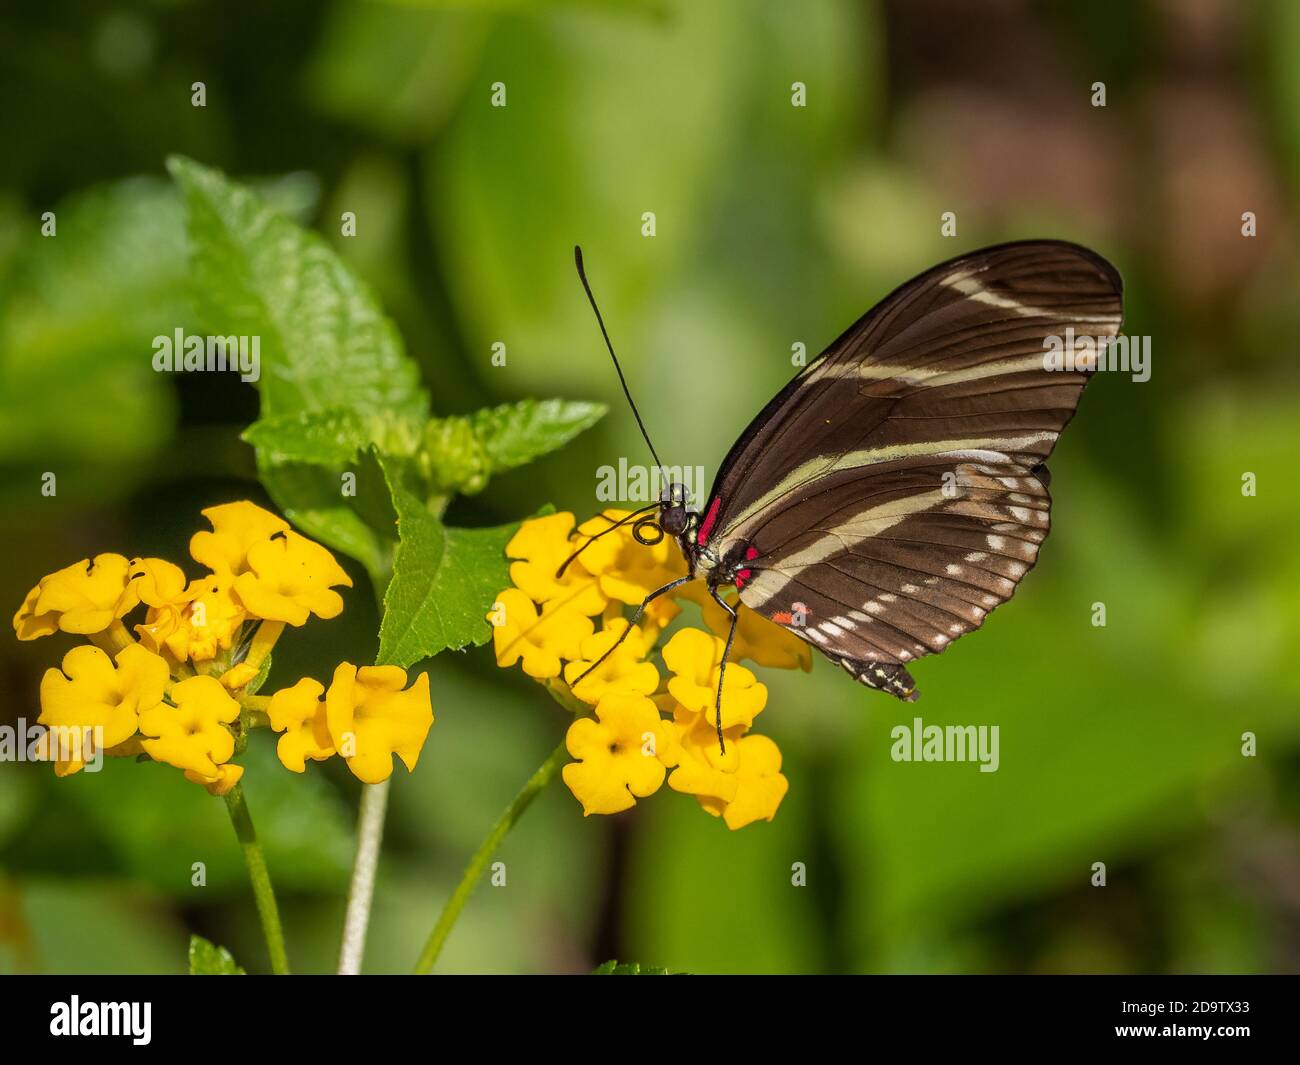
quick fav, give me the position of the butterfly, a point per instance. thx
(895, 492)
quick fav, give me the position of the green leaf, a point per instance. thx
(517, 433)
(363, 525)
(326, 438)
(325, 344)
(628, 968)
(333, 371)
(461, 453)
(208, 959)
(263, 671)
(444, 580)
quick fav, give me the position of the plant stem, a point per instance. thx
(370, 834)
(479, 862)
(260, 878)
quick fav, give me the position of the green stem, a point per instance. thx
(370, 835)
(479, 862)
(260, 878)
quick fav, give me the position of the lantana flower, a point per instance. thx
(93, 691)
(236, 528)
(84, 598)
(545, 622)
(617, 752)
(289, 578)
(156, 581)
(184, 693)
(298, 713)
(371, 718)
(625, 670)
(197, 624)
(540, 639)
(695, 657)
(192, 733)
(741, 786)
(539, 549)
(628, 570)
(219, 783)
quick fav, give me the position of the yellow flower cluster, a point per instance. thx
(634, 724)
(183, 693)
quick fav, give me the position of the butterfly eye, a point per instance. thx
(645, 538)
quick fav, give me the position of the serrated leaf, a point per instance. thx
(329, 437)
(208, 959)
(444, 580)
(324, 438)
(516, 433)
(628, 968)
(326, 348)
(325, 343)
(460, 453)
(363, 525)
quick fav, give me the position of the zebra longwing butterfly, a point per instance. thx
(895, 491)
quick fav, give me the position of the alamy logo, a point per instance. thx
(34, 742)
(195, 354)
(75, 1017)
(629, 483)
(920, 742)
(1069, 352)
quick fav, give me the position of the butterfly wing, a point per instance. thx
(893, 493)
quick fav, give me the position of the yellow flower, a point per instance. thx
(742, 786)
(28, 624)
(197, 624)
(540, 640)
(239, 676)
(157, 582)
(618, 754)
(628, 570)
(623, 671)
(289, 578)
(299, 713)
(702, 768)
(219, 783)
(236, 527)
(757, 638)
(192, 734)
(371, 718)
(92, 692)
(83, 598)
(760, 785)
(694, 657)
(540, 548)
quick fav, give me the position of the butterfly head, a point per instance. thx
(675, 516)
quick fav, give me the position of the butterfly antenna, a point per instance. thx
(596, 536)
(582, 275)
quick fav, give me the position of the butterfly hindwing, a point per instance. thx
(893, 494)
(891, 568)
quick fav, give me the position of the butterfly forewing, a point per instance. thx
(892, 495)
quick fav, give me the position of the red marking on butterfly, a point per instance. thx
(743, 576)
(706, 526)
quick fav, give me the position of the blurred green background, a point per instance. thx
(775, 225)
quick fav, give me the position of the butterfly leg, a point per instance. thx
(635, 618)
(722, 669)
